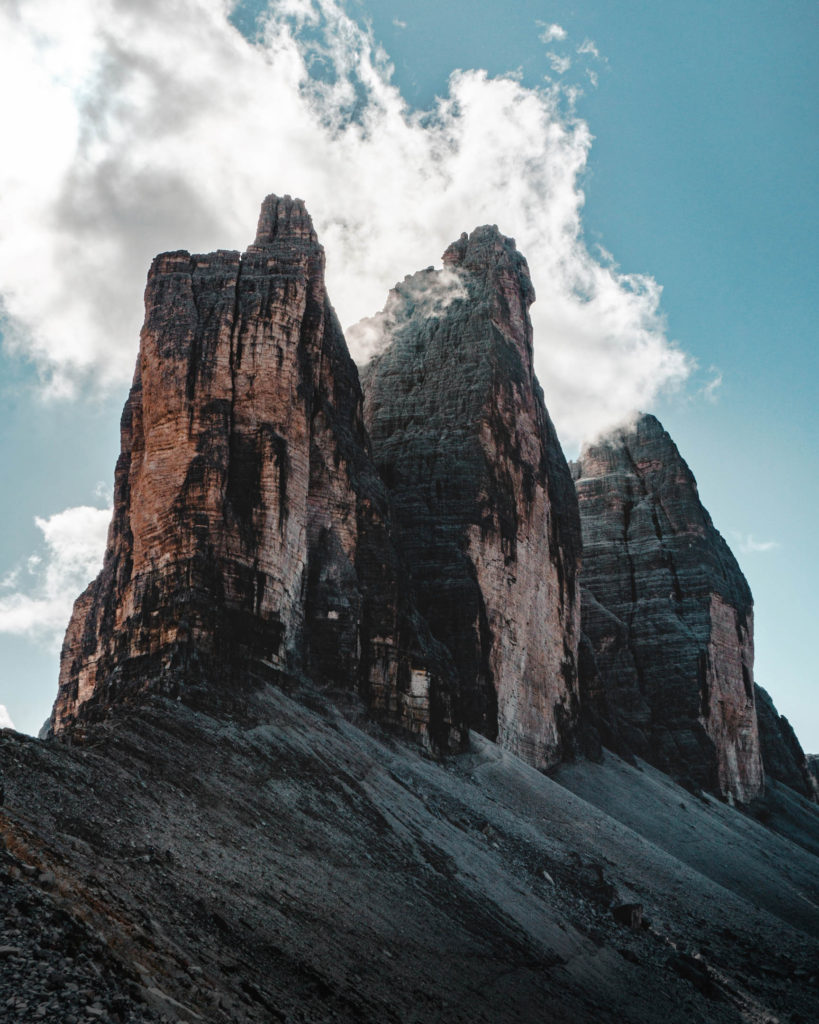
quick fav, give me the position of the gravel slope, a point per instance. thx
(298, 864)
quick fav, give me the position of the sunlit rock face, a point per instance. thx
(667, 658)
(782, 755)
(250, 537)
(483, 499)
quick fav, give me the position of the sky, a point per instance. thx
(656, 164)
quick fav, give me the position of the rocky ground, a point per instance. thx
(298, 864)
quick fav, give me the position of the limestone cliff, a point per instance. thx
(482, 496)
(667, 664)
(250, 534)
(782, 755)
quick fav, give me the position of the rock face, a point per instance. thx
(667, 660)
(250, 536)
(782, 753)
(482, 495)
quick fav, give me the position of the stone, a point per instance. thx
(782, 755)
(483, 500)
(250, 539)
(628, 914)
(666, 663)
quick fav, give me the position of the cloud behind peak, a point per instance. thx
(162, 127)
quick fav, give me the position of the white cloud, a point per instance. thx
(709, 390)
(398, 23)
(428, 292)
(74, 544)
(142, 128)
(5, 718)
(560, 65)
(589, 48)
(748, 545)
(551, 33)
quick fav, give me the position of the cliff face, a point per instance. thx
(250, 534)
(667, 662)
(782, 753)
(483, 500)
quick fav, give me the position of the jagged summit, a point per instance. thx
(667, 616)
(481, 492)
(284, 220)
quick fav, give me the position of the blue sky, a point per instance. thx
(679, 137)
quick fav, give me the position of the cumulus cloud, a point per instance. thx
(142, 128)
(5, 718)
(36, 600)
(748, 545)
(551, 33)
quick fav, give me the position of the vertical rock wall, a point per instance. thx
(667, 660)
(250, 537)
(483, 500)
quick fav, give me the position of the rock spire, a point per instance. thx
(250, 537)
(483, 500)
(667, 659)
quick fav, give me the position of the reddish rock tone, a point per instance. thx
(250, 533)
(782, 755)
(667, 662)
(482, 495)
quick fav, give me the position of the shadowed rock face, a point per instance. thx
(482, 496)
(782, 753)
(250, 532)
(667, 661)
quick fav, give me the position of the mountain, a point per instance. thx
(667, 666)
(250, 539)
(485, 512)
(316, 749)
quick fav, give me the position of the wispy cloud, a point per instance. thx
(749, 545)
(36, 600)
(5, 718)
(551, 32)
(710, 390)
(560, 65)
(123, 150)
(587, 47)
(398, 23)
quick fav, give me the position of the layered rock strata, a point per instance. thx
(782, 754)
(667, 663)
(482, 496)
(250, 536)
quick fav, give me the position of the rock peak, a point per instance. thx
(488, 252)
(250, 541)
(283, 218)
(667, 662)
(482, 496)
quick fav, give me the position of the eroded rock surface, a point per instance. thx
(667, 663)
(483, 499)
(250, 533)
(782, 754)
